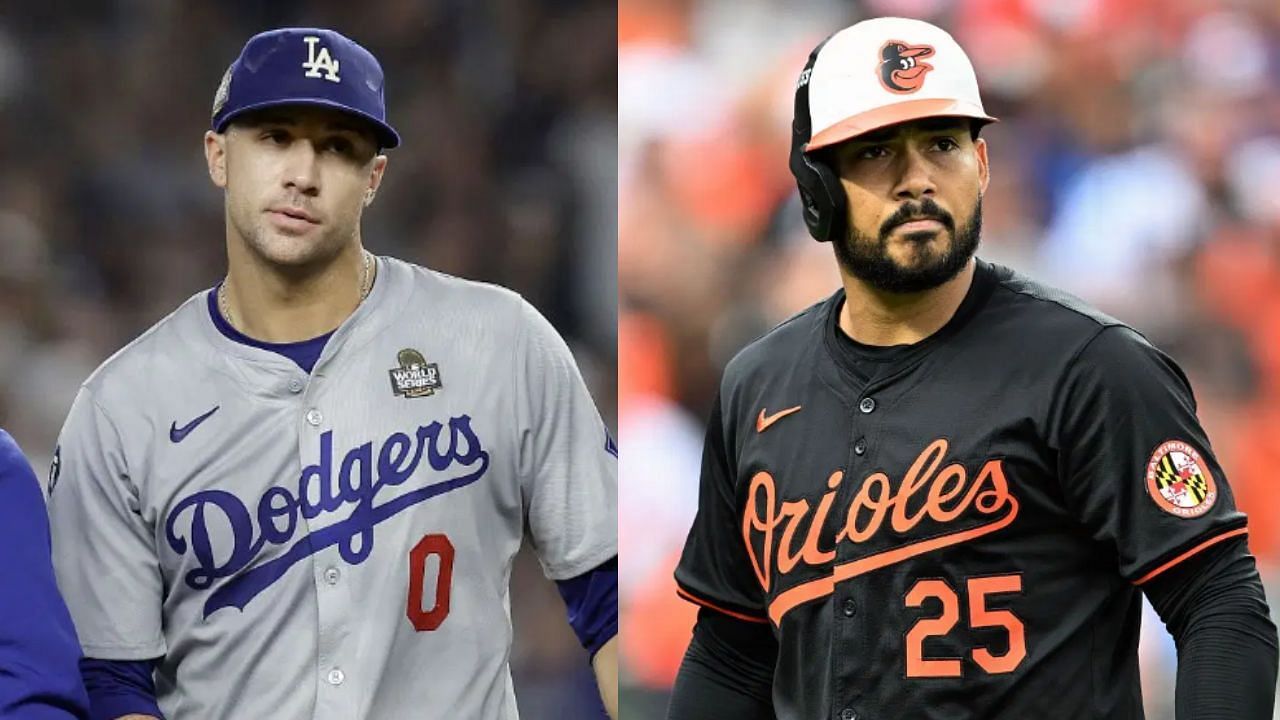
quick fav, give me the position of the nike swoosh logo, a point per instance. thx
(178, 434)
(764, 421)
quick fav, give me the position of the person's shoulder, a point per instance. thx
(134, 366)
(9, 450)
(1121, 354)
(475, 298)
(21, 495)
(1084, 336)
(1039, 308)
(783, 345)
(471, 307)
(13, 463)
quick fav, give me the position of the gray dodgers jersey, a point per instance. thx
(334, 546)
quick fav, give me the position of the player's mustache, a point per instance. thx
(926, 209)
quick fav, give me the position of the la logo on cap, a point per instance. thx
(317, 62)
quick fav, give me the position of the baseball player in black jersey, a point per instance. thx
(940, 492)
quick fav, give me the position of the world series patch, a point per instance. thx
(415, 377)
(1178, 479)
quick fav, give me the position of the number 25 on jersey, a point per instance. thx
(978, 590)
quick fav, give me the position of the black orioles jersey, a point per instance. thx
(965, 533)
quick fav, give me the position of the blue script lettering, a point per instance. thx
(318, 493)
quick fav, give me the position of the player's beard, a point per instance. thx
(867, 258)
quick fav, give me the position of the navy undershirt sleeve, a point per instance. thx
(120, 687)
(592, 603)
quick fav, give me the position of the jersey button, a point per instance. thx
(866, 406)
(331, 575)
(295, 385)
(336, 677)
(314, 417)
(850, 608)
(848, 714)
(860, 447)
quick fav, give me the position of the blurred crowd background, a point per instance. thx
(108, 220)
(1136, 164)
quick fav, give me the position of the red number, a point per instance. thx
(979, 616)
(917, 664)
(438, 545)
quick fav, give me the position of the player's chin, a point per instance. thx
(290, 249)
(920, 247)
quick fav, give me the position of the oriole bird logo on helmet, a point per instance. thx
(900, 69)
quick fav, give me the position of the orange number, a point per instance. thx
(439, 545)
(917, 664)
(978, 589)
(980, 616)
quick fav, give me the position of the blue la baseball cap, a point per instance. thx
(304, 66)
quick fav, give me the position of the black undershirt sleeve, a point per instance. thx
(727, 671)
(1214, 607)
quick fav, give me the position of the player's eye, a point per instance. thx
(276, 136)
(946, 144)
(872, 152)
(339, 145)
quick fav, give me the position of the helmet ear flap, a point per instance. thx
(821, 194)
(822, 197)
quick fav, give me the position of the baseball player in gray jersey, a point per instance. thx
(300, 494)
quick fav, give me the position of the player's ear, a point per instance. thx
(984, 170)
(375, 178)
(215, 154)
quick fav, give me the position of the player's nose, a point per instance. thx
(301, 170)
(915, 178)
